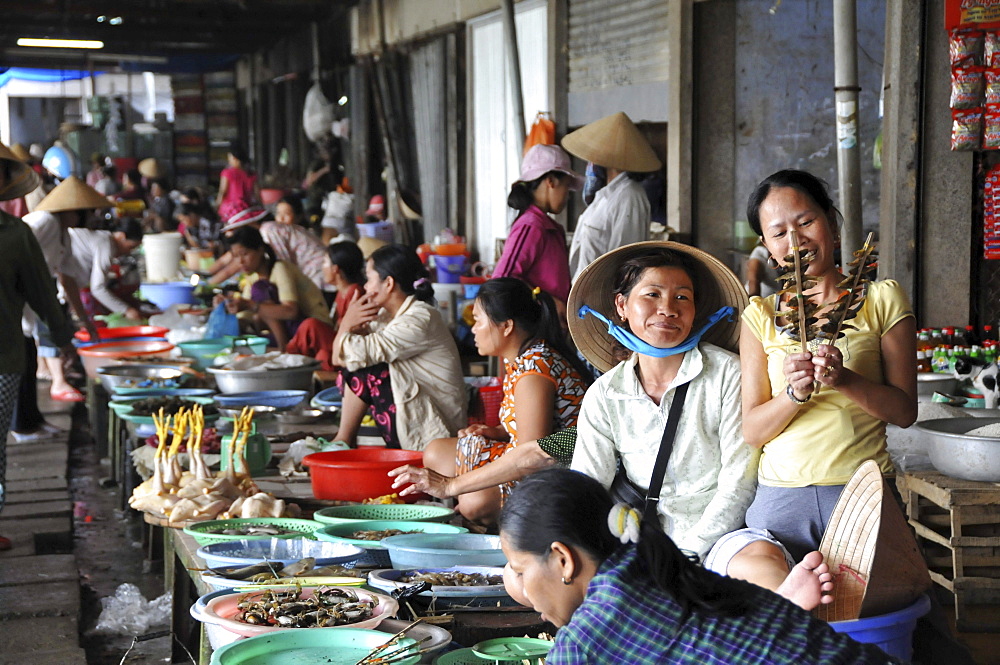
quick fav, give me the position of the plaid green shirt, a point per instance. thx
(624, 619)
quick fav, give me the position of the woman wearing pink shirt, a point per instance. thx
(535, 250)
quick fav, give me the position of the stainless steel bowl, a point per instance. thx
(929, 383)
(305, 416)
(250, 380)
(956, 454)
(137, 376)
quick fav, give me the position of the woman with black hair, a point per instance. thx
(543, 387)
(620, 591)
(277, 296)
(401, 361)
(345, 271)
(535, 250)
(237, 183)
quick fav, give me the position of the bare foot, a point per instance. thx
(809, 583)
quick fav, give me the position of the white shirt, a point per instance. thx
(618, 216)
(53, 239)
(711, 476)
(92, 255)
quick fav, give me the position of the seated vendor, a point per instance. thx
(543, 386)
(620, 591)
(401, 361)
(345, 271)
(276, 295)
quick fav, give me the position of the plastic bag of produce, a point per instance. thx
(221, 323)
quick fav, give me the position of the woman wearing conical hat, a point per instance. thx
(619, 214)
(24, 279)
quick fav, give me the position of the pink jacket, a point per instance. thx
(536, 252)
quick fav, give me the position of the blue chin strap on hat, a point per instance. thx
(629, 340)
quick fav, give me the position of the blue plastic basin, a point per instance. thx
(443, 550)
(892, 632)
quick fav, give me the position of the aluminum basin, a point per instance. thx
(955, 454)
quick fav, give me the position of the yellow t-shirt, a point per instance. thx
(831, 435)
(294, 286)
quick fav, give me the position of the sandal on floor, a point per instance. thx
(70, 395)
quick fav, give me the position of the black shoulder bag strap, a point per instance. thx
(663, 456)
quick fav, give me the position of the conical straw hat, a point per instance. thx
(613, 142)
(73, 194)
(871, 551)
(715, 286)
(23, 179)
(151, 168)
(20, 152)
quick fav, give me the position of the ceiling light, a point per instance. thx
(102, 18)
(117, 20)
(342, 100)
(60, 43)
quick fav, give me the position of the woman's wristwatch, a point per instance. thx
(791, 396)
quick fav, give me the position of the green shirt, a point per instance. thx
(25, 279)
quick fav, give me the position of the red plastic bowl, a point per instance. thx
(124, 331)
(356, 475)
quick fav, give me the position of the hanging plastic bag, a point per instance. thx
(317, 114)
(543, 131)
(221, 323)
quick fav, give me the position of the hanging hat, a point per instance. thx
(870, 543)
(376, 206)
(20, 152)
(22, 179)
(614, 143)
(243, 217)
(715, 286)
(541, 159)
(151, 168)
(73, 194)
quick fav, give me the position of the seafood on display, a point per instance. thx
(379, 535)
(450, 578)
(249, 530)
(325, 607)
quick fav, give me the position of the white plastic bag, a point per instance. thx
(317, 114)
(129, 613)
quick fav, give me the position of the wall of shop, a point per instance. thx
(764, 100)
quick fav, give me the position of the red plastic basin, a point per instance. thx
(356, 475)
(124, 331)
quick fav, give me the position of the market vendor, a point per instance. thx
(816, 414)
(620, 213)
(345, 271)
(94, 257)
(543, 387)
(290, 243)
(276, 295)
(402, 362)
(620, 591)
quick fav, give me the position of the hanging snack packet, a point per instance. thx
(966, 128)
(991, 127)
(991, 49)
(993, 85)
(967, 87)
(965, 46)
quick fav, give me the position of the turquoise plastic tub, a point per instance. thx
(204, 351)
(892, 632)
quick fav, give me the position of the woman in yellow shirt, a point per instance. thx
(817, 413)
(276, 294)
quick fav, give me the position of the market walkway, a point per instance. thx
(39, 582)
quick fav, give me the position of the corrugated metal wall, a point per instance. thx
(618, 59)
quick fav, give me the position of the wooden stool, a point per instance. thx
(957, 523)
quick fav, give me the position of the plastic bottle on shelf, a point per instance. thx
(939, 361)
(988, 334)
(923, 365)
(924, 341)
(948, 333)
(971, 338)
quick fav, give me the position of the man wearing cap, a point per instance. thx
(620, 212)
(65, 207)
(24, 279)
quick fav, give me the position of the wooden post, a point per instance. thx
(679, 113)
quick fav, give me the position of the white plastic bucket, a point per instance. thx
(163, 256)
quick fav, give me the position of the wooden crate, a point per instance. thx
(957, 524)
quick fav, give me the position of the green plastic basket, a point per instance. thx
(468, 657)
(302, 528)
(395, 512)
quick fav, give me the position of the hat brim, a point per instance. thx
(73, 194)
(613, 142)
(22, 178)
(716, 286)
